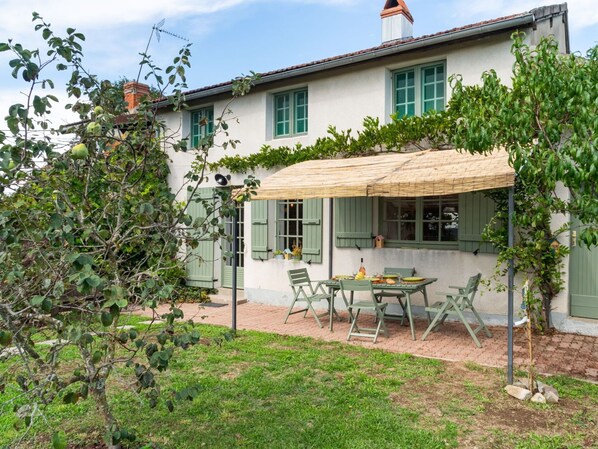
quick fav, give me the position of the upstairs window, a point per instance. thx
(290, 113)
(202, 125)
(419, 89)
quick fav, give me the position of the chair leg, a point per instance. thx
(353, 325)
(482, 326)
(435, 322)
(468, 327)
(290, 310)
(313, 311)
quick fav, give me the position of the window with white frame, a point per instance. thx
(424, 221)
(290, 113)
(289, 224)
(202, 125)
(419, 89)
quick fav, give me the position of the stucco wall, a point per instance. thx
(342, 98)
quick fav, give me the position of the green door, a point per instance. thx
(227, 248)
(583, 278)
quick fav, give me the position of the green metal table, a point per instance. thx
(408, 288)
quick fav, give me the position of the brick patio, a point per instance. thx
(559, 353)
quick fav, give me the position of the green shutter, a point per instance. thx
(259, 230)
(353, 222)
(475, 212)
(312, 231)
(200, 260)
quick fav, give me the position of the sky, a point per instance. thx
(233, 37)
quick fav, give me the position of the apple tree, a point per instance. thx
(92, 230)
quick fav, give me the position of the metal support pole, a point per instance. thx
(330, 236)
(510, 284)
(235, 262)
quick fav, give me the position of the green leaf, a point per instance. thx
(4, 46)
(59, 440)
(37, 300)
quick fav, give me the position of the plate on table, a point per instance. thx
(412, 279)
(338, 277)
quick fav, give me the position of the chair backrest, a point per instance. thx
(300, 282)
(351, 285)
(403, 272)
(299, 277)
(472, 287)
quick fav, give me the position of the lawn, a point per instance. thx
(269, 391)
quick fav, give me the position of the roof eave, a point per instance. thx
(525, 19)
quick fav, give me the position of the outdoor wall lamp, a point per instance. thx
(221, 179)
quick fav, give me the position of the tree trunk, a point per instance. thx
(110, 423)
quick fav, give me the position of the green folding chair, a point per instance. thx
(369, 303)
(455, 304)
(380, 295)
(304, 291)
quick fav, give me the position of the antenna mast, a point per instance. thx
(157, 28)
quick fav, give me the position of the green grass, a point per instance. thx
(268, 391)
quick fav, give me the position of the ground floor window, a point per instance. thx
(421, 221)
(289, 224)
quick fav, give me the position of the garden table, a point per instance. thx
(408, 288)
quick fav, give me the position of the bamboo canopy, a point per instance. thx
(422, 173)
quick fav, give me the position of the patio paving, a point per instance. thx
(559, 353)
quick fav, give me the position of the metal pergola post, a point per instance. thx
(510, 283)
(235, 261)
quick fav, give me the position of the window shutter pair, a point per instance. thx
(312, 230)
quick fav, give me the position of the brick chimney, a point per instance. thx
(134, 92)
(397, 22)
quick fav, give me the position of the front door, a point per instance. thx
(227, 248)
(583, 278)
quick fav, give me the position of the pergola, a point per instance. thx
(412, 174)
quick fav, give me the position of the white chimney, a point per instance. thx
(397, 22)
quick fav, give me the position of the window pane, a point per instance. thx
(202, 125)
(431, 210)
(405, 93)
(433, 88)
(392, 210)
(282, 114)
(407, 230)
(391, 231)
(450, 218)
(300, 111)
(430, 231)
(408, 209)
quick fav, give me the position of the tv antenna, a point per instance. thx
(157, 28)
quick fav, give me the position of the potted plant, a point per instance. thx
(296, 252)
(278, 254)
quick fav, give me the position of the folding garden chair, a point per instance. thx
(380, 295)
(456, 303)
(304, 291)
(350, 286)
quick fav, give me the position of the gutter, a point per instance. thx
(526, 19)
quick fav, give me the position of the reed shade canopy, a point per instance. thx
(422, 173)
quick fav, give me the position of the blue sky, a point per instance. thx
(232, 37)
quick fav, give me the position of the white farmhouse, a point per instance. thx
(405, 74)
